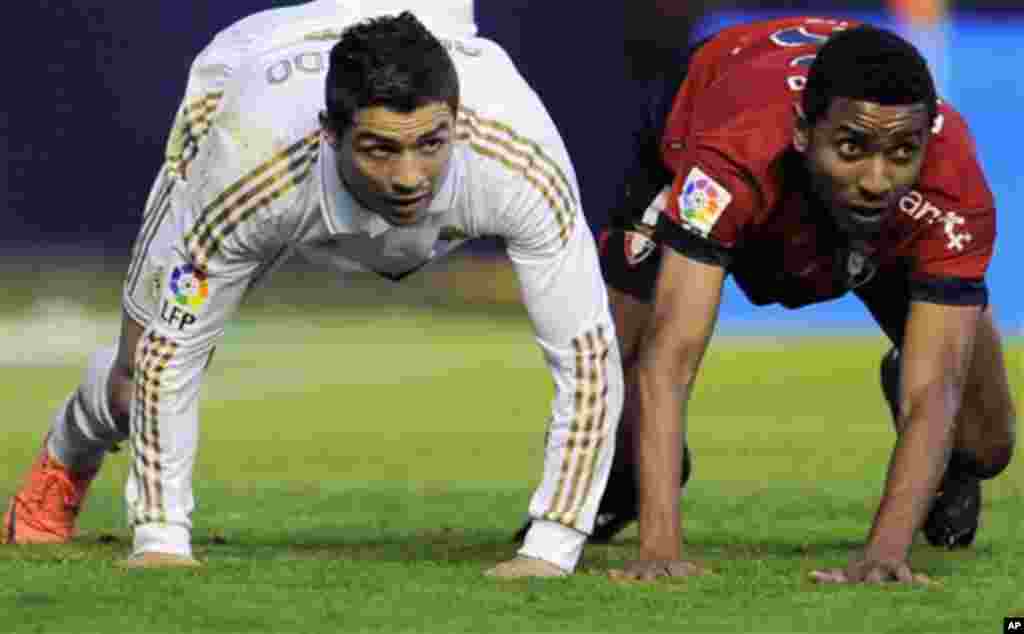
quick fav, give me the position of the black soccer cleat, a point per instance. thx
(619, 507)
(953, 519)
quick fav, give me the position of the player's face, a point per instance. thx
(862, 158)
(394, 162)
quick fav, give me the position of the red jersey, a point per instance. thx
(739, 186)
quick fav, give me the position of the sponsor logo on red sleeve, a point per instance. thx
(916, 206)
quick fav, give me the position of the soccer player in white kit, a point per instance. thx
(362, 144)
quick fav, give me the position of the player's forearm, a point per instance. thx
(164, 433)
(580, 441)
(915, 470)
(661, 398)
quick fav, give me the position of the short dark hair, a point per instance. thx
(867, 63)
(388, 61)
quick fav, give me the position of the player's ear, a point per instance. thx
(801, 130)
(328, 130)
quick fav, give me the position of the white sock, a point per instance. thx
(83, 429)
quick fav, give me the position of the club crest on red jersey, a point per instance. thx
(860, 269)
(637, 246)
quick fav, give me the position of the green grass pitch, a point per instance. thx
(359, 469)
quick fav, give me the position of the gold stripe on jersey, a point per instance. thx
(565, 223)
(527, 151)
(259, 188)
(557, 499)
(596, 428)
(190, 128)
(533, 145)
(500, 142)
(588, 428)
(152, 361)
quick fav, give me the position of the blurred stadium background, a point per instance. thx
(98, 84)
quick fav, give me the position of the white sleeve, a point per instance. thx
(230, 218)
(555, 258)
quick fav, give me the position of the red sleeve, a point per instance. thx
(953, 206)
(957, 244)
(954, 215)
(711, 199)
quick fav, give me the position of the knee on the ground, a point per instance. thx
(984, 465)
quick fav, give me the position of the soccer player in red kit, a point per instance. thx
(808, 158)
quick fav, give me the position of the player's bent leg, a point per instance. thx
(122, 384)
(986, 424)
(983, 445)
(952, 521)
(89, 423)
(630, 262)
(630, 315)
(620, 499)
(984, 441)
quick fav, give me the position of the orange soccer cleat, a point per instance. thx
(45, 509)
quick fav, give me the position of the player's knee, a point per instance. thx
(120, 383)
(985, 464)
(995, 462)
(999, 460)
(1001, 454)
(990, 434)
(630, 316)
(120, 388)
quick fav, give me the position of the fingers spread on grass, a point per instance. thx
(903, 574)
(877, 573)
(834, 575)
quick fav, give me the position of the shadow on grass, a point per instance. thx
(455, 546)
(439, 546)
(445, 545)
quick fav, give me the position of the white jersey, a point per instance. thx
(263, 185)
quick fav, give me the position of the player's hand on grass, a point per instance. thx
(651, 569)
(873, 571)
(522, 566)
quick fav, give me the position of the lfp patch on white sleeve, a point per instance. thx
(702, 201)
